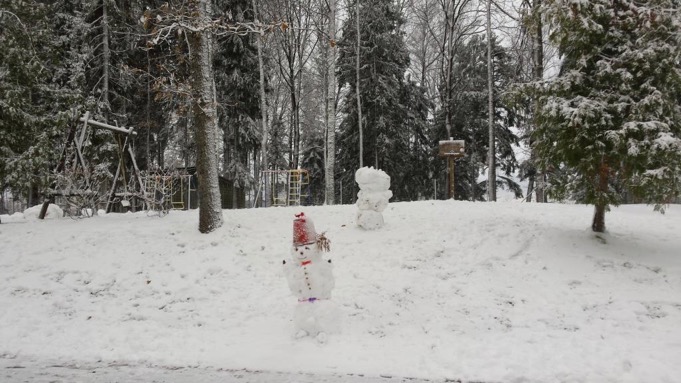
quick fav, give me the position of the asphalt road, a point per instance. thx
(13, 370)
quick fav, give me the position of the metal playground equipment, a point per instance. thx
(167, 190)
(282, 187)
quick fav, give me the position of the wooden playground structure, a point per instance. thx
(82, 191)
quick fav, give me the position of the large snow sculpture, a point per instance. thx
(311, 280)
(373, 197)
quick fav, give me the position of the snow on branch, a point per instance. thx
(166, 22)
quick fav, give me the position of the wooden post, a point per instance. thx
(451, 149)
(102, 125)
(43, 209)
(452, 184)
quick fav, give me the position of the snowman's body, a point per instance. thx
(372, 197)
(309, 276)
(311, 280)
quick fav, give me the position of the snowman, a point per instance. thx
(311, 280)
(373, 196)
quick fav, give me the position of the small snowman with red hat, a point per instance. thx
(310, 278)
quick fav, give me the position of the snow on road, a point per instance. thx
(13, 371)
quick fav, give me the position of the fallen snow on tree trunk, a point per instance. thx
(472, 291)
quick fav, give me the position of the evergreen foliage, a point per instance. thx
(41, 82)
(612, 118)
(237, 83)
(389, 125)
(469, 119)
(608, 128)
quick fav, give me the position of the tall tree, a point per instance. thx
(470, 119)
(388, 124)
(530, 53)
(613, 114)
(193, 20)
(237, 77)
(358, 88)
(296, 44)
(460, 22)
(423, 41)
(263, 101)
(330, 105)
(205, 115)
(491, 156)
(41, 82)
(537, 34)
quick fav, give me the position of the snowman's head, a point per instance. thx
(305, 252)
(307, 244)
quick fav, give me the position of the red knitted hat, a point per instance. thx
(303, 230)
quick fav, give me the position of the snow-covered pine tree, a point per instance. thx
(41, 77)
(613, 114)
(237, 81)
(413, 181)
(387, 126)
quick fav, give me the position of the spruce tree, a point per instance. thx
(612, 117)
(237, 82)
(387, 127)
(41, 77)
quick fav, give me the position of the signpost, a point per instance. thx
(451, 149)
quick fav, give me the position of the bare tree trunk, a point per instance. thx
(425, 46)
(538, 74)
(106, 57)
(492, 176)
(359, 102)
(148, 111)
(236, 157)
(530, 187)
(205, 122)
(448, 54)
(295, 125)
(329, 171)
(598, 224)
(263, 100)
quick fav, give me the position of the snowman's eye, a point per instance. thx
(295, 249)
(307, 248)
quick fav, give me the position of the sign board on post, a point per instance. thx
(451, 149)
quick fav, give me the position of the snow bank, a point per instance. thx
(53, 212)
(486, 292)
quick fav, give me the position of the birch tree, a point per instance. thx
(491, 152)
(330, 105)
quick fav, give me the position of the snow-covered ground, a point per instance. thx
(493, 292)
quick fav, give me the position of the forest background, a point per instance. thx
(238, 86)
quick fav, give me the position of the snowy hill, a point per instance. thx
(493, 292)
